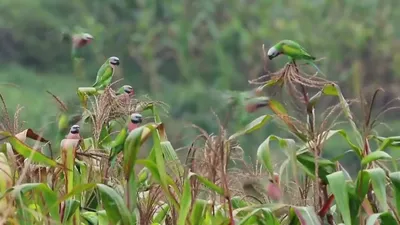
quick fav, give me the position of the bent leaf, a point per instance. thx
(44, 191)
(373, 156)
(114, 205)
(27, 152)
(264, 155)
(325, 166)
(253, 126)
(29, 133)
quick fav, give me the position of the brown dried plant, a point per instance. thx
(109, 106)
(211, 160)
(149, 202)
(10, 123)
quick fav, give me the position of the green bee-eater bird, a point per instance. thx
(293, 50)
(105, 73)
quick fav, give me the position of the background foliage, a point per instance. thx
(186, 52)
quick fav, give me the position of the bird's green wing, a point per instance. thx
(104, 76)
(295, 50)
(100, 73)
(292, 51)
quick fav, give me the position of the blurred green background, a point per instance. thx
(183, 52)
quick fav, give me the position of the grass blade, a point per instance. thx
(185, 202)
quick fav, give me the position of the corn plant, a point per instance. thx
(213, 184)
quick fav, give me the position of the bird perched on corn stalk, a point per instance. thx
(117, 145)
(106, 72)
(126, 89)
(293, 50)
(74, 132)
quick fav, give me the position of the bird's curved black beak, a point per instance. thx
(115, 63)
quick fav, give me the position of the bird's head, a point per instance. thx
(114, 60)
(75, 129)
(87, 37)
(273, 52)
(128, 89)
(136, 118)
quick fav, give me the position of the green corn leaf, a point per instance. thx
(161, 213)
(200, 206)
(307, 215)
(337, 185)
(378, 181)
(264, 150)
(71, 205)
(185, 202)
(325, 166)
(28, 152)
(115, 207)
(210, 185)
(395, 179)
(253, 126)
(48, 195)
(373, 156)
(386, 218)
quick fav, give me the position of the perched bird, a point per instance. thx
(117, 145)
(273, 190)
(290, 48)
(126, 89)
(74, 132)
(72, 139)
(105, 73)
(136, 120)
(293, 50)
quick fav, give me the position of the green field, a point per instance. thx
(211, 148)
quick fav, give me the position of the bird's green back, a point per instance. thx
(293, 50)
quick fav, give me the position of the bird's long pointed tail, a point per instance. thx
(316, 67)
